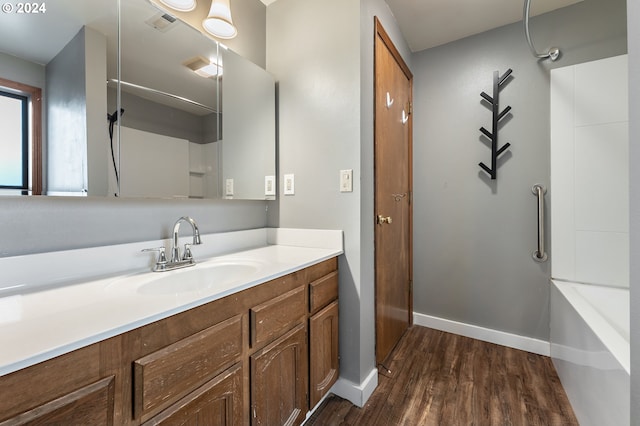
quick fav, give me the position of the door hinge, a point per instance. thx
(409, 107)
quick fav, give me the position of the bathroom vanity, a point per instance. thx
(264, 352)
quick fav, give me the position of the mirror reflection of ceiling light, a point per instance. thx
(204, 67)
(180, 5)
(210, 70)
(219, 23)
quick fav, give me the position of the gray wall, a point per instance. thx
(473, 237)
(96, 97)
(633, 17)
(67, 118)
(154, 117)
(76, 105)
(41, 224)
(319, 133)
(22, 71)
(248, 146)
(325, 95)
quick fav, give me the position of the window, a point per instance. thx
(20, 137)
(14, 141)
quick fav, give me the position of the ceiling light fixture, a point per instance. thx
(180, 5)
(219, 23)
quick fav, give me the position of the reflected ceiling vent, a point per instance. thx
(161, 22)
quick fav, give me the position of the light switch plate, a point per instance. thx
(269, 185)
(346, 180)
(289, 185)
(228, 187)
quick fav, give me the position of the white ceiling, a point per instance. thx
(430, 23)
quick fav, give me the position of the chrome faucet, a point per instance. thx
(177, 261)
(175, 250)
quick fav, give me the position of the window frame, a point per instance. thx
(24, 112)
(34, 133)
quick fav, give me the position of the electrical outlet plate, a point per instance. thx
(289, 185)
(269, 185)
(228, 188)
(346, 180)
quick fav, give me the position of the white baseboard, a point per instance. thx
(358, 394)
(515, 341)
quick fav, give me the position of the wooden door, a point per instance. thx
(393, 191)
(279, 375)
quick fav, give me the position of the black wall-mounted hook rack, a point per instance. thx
(498, 82)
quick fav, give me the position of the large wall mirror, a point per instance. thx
(178, 116)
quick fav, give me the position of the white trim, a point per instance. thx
(540, 347)
(358, 394)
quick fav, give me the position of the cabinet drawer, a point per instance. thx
(276, 316)
(163, 376)
(321, 269)
(323, 291)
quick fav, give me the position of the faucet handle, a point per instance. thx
(187, 252)
(162, 255)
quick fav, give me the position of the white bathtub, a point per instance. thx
(590, 350)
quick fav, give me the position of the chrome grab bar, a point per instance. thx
(540, 255)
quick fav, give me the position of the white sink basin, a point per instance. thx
(203, 277)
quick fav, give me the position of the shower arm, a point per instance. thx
(553, 52)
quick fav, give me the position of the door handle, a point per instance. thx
(382, 219)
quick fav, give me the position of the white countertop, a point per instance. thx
(39, 325)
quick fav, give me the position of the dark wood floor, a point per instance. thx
(440, 378)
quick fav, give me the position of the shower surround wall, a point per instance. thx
(590, 172)
(590, 237)
(473, 238)
(633, 17)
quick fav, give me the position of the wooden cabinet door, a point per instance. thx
(324, 363)
(90, 405)
(218, 402)
(279, 375)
